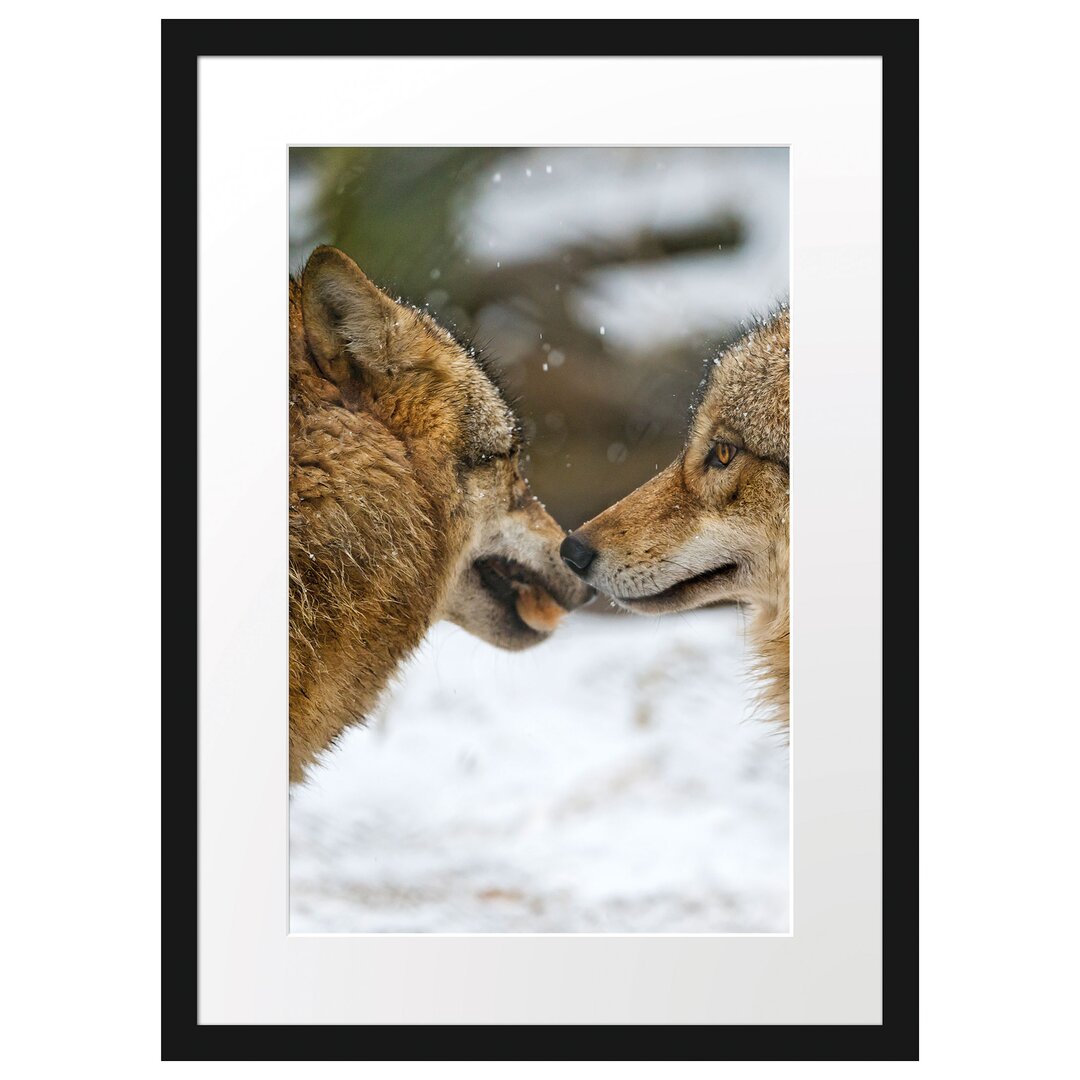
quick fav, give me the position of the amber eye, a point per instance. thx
(721, 455)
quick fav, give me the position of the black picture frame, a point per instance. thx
(183, 42)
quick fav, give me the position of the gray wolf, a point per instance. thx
(713, 526)
(407, 502)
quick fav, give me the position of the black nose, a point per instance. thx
(576, 553)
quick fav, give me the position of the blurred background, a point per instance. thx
(598, 279)
(612, 779)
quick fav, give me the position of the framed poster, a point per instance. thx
(654, 286)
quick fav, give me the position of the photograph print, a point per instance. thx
(538, 540)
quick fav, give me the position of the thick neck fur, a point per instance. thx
(769, 633)
(374, 531)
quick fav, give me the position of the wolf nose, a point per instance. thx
(577, 554)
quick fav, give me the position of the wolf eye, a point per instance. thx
(720, 455)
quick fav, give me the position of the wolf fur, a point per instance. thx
(407, 503)
(705, 531)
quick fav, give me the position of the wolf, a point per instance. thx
(713, 525)
(407, 502)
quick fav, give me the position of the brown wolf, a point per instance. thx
(406, 502)
(713, 526)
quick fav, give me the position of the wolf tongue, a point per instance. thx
(537, 609)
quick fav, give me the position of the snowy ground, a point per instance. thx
(606, 781)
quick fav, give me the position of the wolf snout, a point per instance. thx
(577, 554)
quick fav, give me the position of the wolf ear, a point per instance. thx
(347, 320)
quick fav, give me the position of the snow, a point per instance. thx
(602, 195)
(607, 192)
(646, 306)
(612, 779)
